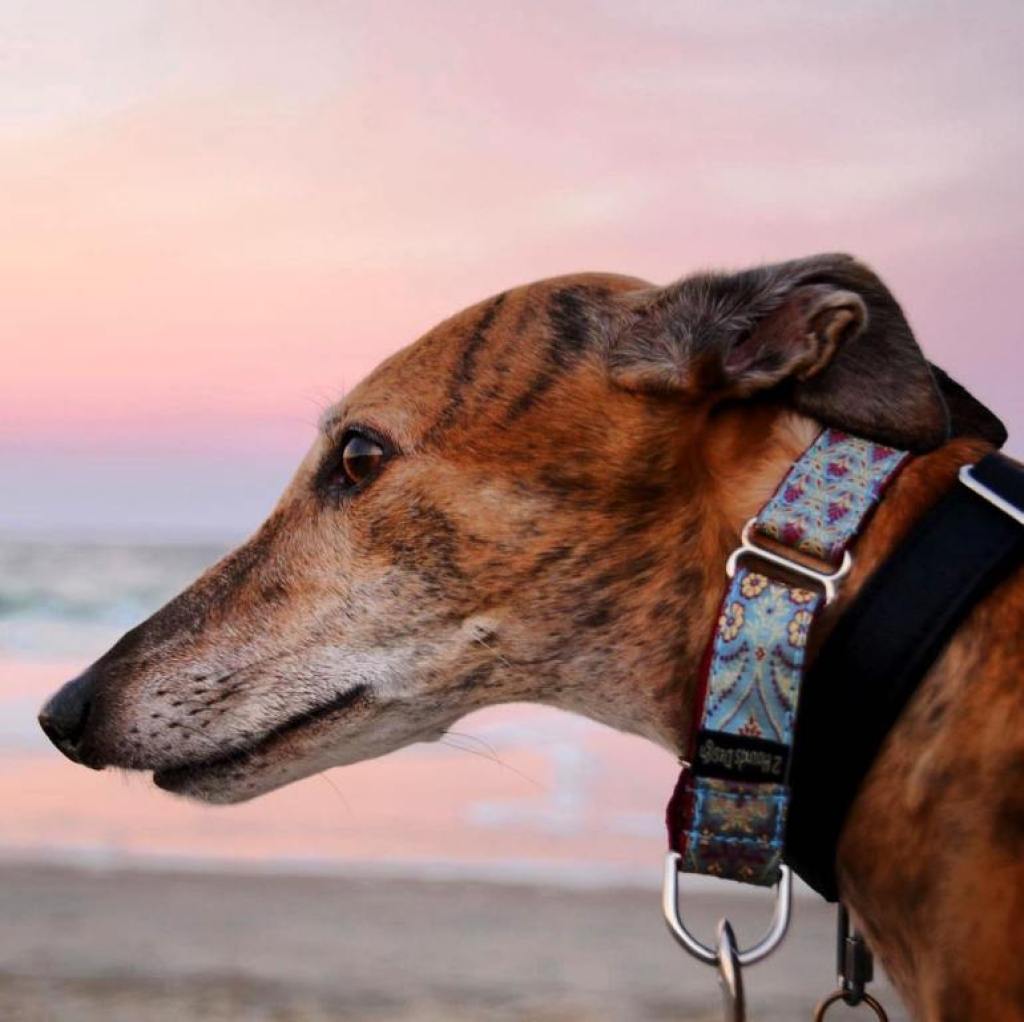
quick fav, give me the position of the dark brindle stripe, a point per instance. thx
(465, 370)
(570, 322)
(570, 336)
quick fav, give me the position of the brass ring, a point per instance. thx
(839, 995)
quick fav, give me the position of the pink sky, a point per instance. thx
(215, 217)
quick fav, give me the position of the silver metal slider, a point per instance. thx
(827, 580)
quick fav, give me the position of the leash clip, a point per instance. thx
(730, 975)
(827, 580)
(855, 965)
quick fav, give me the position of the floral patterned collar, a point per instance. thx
(727, 816)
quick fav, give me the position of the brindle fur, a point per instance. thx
(573, 462)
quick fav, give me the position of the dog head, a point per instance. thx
(526, 504)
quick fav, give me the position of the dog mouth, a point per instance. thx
(203, 778)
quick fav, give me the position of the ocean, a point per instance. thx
(517, 792)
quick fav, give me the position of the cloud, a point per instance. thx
(216, 216)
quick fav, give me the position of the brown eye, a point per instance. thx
(361, 459)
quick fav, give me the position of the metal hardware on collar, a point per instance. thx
(709, 956)
(854, 961)
(730, 975)
(855, 965)
(822, 1009)
(972, 483)
(827, 580)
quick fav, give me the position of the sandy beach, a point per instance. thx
(140, 946)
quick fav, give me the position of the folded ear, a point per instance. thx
(968, 417)
(824, 331)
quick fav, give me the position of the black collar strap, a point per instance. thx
(884, 644)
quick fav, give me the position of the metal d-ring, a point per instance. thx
(839, 995)
(710, 956)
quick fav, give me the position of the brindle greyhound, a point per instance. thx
(535, 501)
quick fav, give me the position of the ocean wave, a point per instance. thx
(62, 597)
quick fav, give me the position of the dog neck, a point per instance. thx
(745, 459)
(744, 455)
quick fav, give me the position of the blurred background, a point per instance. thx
(216, 217)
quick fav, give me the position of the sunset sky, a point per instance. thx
(214, 217)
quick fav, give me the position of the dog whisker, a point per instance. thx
(474, 738)
(491, 759)
(337, 791)
(490, 648)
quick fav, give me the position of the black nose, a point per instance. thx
(64, 717)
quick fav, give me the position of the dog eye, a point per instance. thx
(361, 459)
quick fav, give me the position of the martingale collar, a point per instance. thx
(727, 817)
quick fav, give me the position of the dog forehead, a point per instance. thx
(491, 350)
